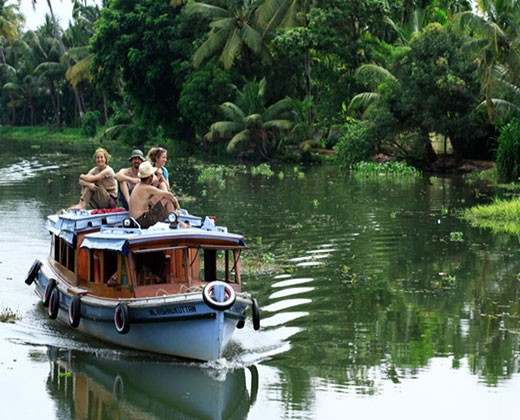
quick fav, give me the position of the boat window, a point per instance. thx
(63, 253)
(109, 266)
(150, 267)
(103, 266)
(186, 265)
(220, 264)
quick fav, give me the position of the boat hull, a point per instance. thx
(179, 325)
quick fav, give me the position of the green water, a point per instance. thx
(377, 301)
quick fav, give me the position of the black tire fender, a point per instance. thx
(48, 291)
(256, 314)
(33, 272)
(121, 318)
(75, 311)
(54, 303)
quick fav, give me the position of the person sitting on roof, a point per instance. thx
(158, 156)
(148, 204)
(127, 177)
(99, 186)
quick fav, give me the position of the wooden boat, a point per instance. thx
(165, 289)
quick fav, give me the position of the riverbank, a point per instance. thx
(48, 139)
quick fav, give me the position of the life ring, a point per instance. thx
(121, 318)
(75, 311)
(33, 272)
(210, 300)
(54, 303)
(256, 314)
(48, 290)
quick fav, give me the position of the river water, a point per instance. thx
(377, 301)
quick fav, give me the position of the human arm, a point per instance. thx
(108, 172)
(124, 176)
(123, 187)
(161, 181)
(159, 194)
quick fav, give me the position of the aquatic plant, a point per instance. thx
(456, 237)
(8, 315)
(391, 168)
(262, 169)
(502, 216)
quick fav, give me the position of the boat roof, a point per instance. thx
(111, 235)
(119, 239)
(68, 223)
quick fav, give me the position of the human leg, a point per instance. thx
(101, 199)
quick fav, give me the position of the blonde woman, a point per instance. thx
(98, 186)
(158, 156)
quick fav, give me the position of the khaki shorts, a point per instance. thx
(155, 214)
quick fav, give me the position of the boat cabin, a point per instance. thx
(102, 257)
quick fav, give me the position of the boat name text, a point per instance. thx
(173, 310)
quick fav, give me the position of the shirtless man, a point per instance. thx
(148, 204)
(127, 177)
(99, 187)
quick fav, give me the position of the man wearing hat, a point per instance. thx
(127, 177)
(148, 204)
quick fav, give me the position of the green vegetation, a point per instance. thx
(271, 79)
(390, 168)
(8, 315)
(502, 216)
(262, 169)
(508, 153)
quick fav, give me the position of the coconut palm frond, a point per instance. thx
(80, 72)
(279, 124)
(374, 73)
(231, 50)
(240, 137)
(209, 48)
(252, 38)
(254, 120)
(224, 24)
(206, 10)
(232, 112)
(363, 100)
(223, 130)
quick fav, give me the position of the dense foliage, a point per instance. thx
(360, 77)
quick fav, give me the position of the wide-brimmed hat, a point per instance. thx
(145, 170)
(136, 153)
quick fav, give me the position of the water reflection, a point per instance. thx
(87, 386)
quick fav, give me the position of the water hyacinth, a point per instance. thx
(390, 168)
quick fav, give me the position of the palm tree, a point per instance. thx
(286, 14)
(234, 31)
(375, 75)
(250, 123)
(23, 84)
(49, 67)
(57, 34)
(10, 23)
(495, 41)
(416, 21)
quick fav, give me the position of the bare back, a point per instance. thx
(141, 199)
